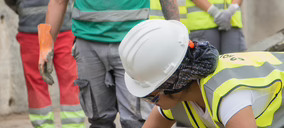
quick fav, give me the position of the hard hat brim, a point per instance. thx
(136, 88)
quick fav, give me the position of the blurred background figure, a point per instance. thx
(31, 13)
(99, 27)
(218, 21)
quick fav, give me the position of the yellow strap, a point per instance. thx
(266, 118)
(193, 116)
(168, 114)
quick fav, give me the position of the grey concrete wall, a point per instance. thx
(262, 18)
(12, 87)
(13, 93)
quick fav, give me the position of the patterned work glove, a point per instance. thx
(223, 19)
(46, 52)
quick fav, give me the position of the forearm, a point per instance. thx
(239, 2)
(55, 15)
(202, 4)
(243, 119)
(170, 9)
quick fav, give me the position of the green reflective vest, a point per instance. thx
(194, 18)
(107, 20)
(255, 70)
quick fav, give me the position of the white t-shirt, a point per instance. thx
(239, 99)
(234, 102)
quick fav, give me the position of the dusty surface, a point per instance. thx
(21, 120)
(15, 121)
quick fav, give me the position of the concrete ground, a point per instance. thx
(21, 120)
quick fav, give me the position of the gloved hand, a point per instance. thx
(45, 63)
(223, 19)
(218, 17)
(213, 11)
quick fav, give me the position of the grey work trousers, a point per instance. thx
(225, 41)
(102, 88)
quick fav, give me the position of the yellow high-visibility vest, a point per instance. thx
(193, 17)
(253, 71)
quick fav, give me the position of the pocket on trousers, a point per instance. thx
(85, 96)
(74, 51)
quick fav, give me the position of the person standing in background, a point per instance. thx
(31, 13)
(99, 27)
(219, 22)
(216, 21)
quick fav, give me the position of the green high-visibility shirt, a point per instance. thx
(107, 20)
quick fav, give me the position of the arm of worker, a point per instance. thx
(239, 2)
(243, 119)
(236, 108)
(47, 35)
(55, 15)
(12, 4)
(170, 9)
(156, 120)
(202, 4)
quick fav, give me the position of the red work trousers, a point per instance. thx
(65, 67)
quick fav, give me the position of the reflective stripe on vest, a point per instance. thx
(253, 71)
(167, 114)
(180, 115)
(36, 10)
(197, 9)
(43, 117)
(72, 116)
(73, 121)
(185, 114)
(111, 16)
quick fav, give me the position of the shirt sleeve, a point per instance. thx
(231, 104)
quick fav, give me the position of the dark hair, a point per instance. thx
(199, 62)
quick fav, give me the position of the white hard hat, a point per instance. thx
(151, 52)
